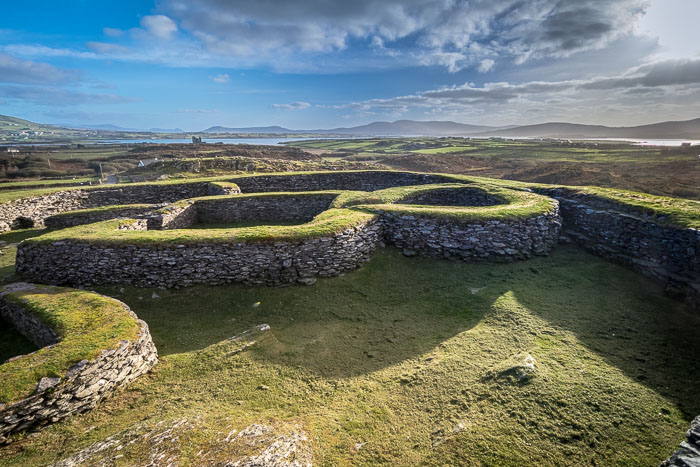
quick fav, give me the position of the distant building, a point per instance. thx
(145, 162)
(196, 139)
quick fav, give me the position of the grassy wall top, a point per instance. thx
(663, 209)
(671, 211)
(91, 211)
(516, 204)
(85, 322)
(108, 232)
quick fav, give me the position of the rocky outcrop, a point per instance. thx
(85, 384)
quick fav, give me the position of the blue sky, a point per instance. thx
(324, 64)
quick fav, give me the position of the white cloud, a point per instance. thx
(14, 70)
(221, 78)
(112, 32)
(292, 106)
(160, 26)
(670, 86)
(486, 65)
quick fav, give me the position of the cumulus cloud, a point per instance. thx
(221, 78)
(159, 26)
(14, 70)
(292, 106)
(47, 95)
(450, 33)
(653, 84)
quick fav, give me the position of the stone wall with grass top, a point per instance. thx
(89, 216)
(33, 210)
(350, 180)
(170, 264)
(58, 394)
(667, 252)
(503, 240)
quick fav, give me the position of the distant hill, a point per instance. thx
(414, 128)
(689, 129)
(103, 127)
(166, 130)
(253, 129)
(397, 128)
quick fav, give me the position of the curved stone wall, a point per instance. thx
(617, 232)
(84, 385)
(31, 211)
(467, 196)
(369, 180)
(172, 265)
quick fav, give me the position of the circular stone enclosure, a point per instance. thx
(90, 345)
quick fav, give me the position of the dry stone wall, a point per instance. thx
(69, 219)
(358, 181)
(609, 229)
(263, 208)
(85, 384)
(172, 265)
(453, 197)
(32, 211)
(493, 240)
(688, 454)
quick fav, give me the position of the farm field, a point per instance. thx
(656, 170)
(405, 361)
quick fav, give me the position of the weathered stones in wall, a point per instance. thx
(32, 211)
(453, 197)
(79, 218)
(688, 454)
(263, 208)
(171, 265)
(666, 253)
(494, 240)
(27, 324)
(84, 386)
(359, 181)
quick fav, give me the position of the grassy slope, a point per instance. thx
(403, 360)
(85, 323)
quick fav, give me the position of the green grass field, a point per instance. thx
(408, 361)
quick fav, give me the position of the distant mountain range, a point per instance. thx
(689, 129)
(108, 127)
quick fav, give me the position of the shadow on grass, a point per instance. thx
(340, 327)
(397, 308)
(624, 318)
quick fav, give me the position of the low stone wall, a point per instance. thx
(85, 384)
(170, 265)
(688, 454)
(666, 253)
(493, 240)
(81, 218)
(453, 197)
(263, 208)
(358, 181)
(31, 211)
